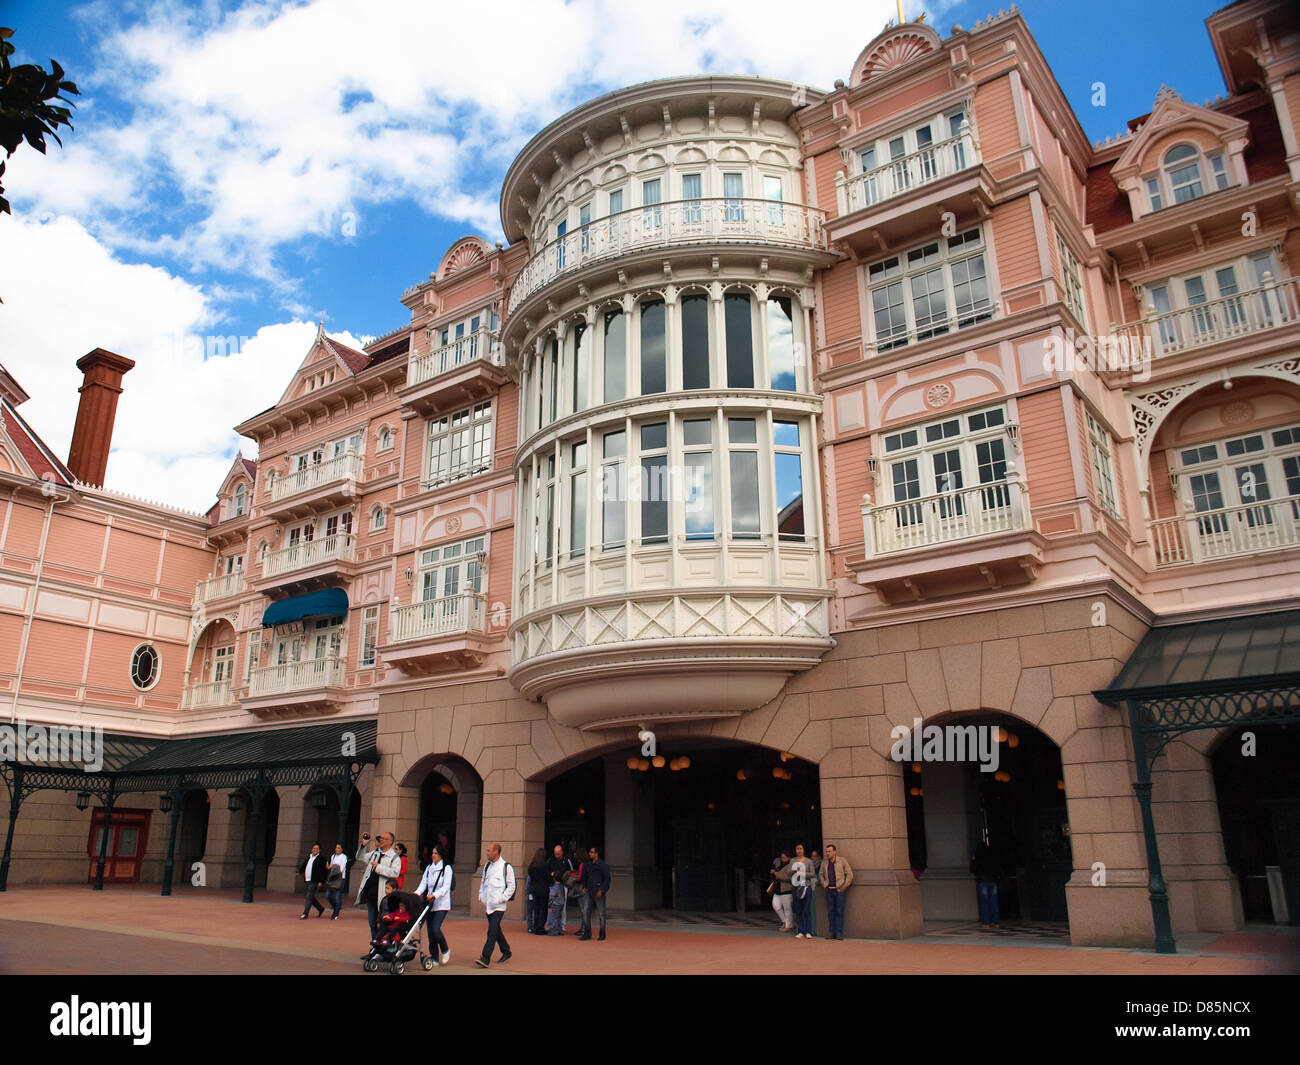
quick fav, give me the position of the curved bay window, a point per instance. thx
(686, 340)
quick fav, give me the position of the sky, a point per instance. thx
(238, 172)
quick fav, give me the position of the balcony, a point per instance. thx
(323, 562)
(677, 222)
(454, 474)
(221, 587)
(202, 696)
(889, 203)
(1231, 532)
(324, 484)
(465, 371)
(438, 635)
(312, 685)
(1245, 316)
(981, 537)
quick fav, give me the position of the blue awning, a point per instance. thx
(330, 603)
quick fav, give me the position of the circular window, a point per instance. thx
(145, 666)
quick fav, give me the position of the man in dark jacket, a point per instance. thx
(595, 886)
(314, 870)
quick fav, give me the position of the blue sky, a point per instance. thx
(245, 169)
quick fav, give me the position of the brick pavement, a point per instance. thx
(134, 930)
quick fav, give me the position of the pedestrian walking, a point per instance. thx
(780, 892)
(561, 867)
(335, 879)
(556, 897)
(313, 876)
(495, 891)
(435, 888)
(382, 864)
(988, 871)
(835, 877)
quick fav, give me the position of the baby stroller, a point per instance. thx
(394, 956)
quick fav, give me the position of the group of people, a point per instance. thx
(794, 881)
(554, 880)
(390, 909)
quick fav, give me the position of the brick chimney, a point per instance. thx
(93, 433)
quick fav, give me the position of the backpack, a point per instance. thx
(507, 876)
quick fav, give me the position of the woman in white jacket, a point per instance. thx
(435, 886)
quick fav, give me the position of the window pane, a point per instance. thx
(654, 499)
(929, 304)
(654, 368)
(615, 444)
(578, 515)
(789, 496)
(613, 490)
(695, 342)
(890, 316)
(654, 437)
(581, 356)
(780, 342)
(740, 341)
(785, 434)
(615, 356)
(742, 430)
(697, 432)
(744, 493)
(699, 495)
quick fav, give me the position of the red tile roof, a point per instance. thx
(352, 359)
(33, 449)
(1107, 206)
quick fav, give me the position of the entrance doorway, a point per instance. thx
(1259, 810)
(1019, 809)
(128, 836)
(698, 832)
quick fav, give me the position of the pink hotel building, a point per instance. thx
(768, 434)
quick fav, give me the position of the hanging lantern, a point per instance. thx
(446, 788)
(920, 791)
(165, 802)
(786, 756)
(685, 761)
(1013, 740)
(83, 800)
(915, 791)
(740, 775)
(916, 767)
(712, 807)
(659, 761)
(643, 765)
(633, 762)
(1060, 785)
(582, 811)
(1002, 734)
(785, 806)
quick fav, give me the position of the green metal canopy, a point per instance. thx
(328, 603)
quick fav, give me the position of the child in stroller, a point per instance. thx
(399, 938)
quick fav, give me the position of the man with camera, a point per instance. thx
(382, 863)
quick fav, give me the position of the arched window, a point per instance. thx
(378, 519)
(385, 438)
(1183, 168)
(240, 499)
(1186, 174)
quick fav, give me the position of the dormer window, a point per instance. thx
(1185, 174)
(240, 500)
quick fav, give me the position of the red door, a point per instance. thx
(128, 834)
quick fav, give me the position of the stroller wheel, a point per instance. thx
(427, 963)
(397, 968)
(370, 965)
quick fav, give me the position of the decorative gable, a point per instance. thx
(326, 361)
(1174, 122)
(894, 48)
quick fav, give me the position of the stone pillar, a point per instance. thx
(469, 846)
(224, 857)
(294, 835)
(514, 815)
(1204, 896)
(864, 815)
(629, 838)
(951, 804)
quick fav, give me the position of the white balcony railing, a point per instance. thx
(437, 617)
(341, 547)
(214, 693)
(298, 676)
(220, 587)
(725, 220)
(1226, 533)
(1001, 506)
(346, 467)
(1273, 304)
(455, 473)
(459, 352)
(907, 172)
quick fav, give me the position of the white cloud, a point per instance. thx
(272, 121)
(65, 293)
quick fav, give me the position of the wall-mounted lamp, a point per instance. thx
(234, 803)
(409, 573)
(165, 802)
(1173, 480)
(873, 465)
(83, 800)
(1013, 434)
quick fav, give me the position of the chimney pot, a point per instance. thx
(92, 436)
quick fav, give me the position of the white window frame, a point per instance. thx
(367, 653)
(913, 442)
(460, 562)
(1072, 273)
(1102, 451)
(470, 430)
(1212, 174)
